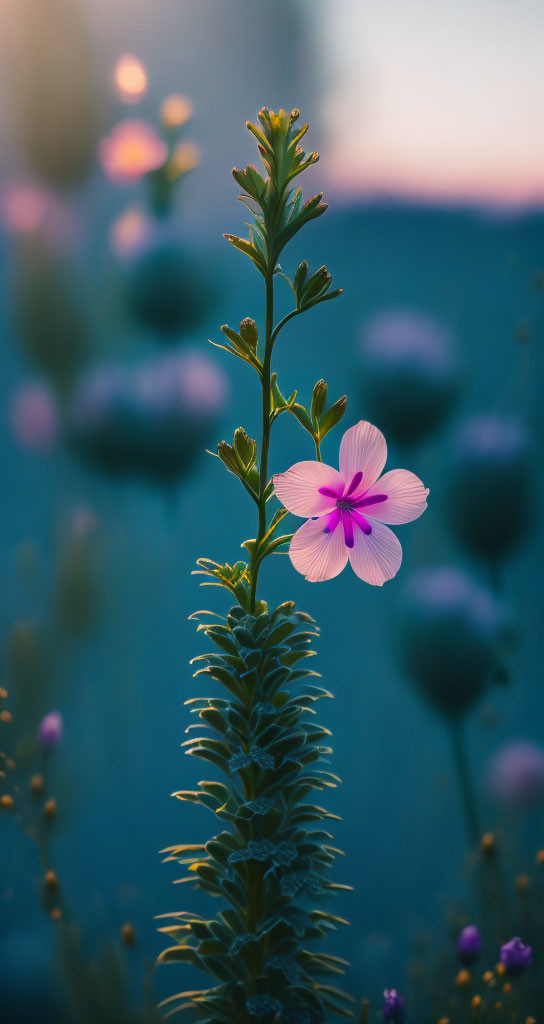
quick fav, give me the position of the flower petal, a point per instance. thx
(363, 448)
(406, 497)
(376, 557)
(298, 488)
(318, 555)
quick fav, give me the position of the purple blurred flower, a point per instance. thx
(28, 209)
(393, 1009)
(515, 956)
(50, 730)
(491, 462)
(168, 283)
(410, 373)
(83, 521)
(469, 945)
(516, 774)
(150, 420)
(34, 418)
(449, 630)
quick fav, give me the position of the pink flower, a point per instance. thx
(133, 148)
(348, 509)
(34, 417)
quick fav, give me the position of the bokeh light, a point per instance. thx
(130, 79)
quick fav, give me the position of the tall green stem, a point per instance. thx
(265, 444)
(472, 817)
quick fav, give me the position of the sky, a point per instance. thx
(435, 98)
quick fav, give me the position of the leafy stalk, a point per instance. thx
(269, 862)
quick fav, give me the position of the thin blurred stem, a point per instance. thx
(317, 449)
(495, 574)
(464, 779)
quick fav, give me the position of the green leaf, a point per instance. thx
(302, 416)
(249, 250)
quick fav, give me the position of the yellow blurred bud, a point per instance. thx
(463, 978)
(37, 784)
(488, 845)
(185, 158)
(50, 808)
(176, 110)
(129, 78)
(127, 934)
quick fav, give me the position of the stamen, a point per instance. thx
(331, 521)
(354, 483)
(348, 529)
(328, 492)
(374, 499)
(363, 523)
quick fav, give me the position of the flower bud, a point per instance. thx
(168, 287)
(127, 934)
(319, 400)
(488, 845)
(490, 500)
(245, 448)
(469, 945)
(409, 374)
(152, 420)
(463, 978)
(249, 332)
(516, 957)
(393, 1009)
(34, 418)
(37, 785)
(515, 775)
(50, 731)
(449, 629)
(50, 808)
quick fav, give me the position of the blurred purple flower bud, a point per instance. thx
(393, 1009)
(83, 521)
(469, 945)
(50, 730)
(34, 418)
(448, 637)
(150, 420)
(166, 284)
(516, 957)
(515, 774)
(490, 485)
(410, 373)
(27, 209)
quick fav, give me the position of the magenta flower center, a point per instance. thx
(348, 503)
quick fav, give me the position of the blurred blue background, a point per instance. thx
(432, 148)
